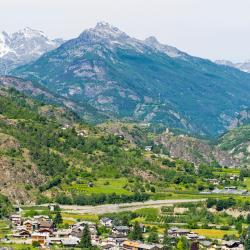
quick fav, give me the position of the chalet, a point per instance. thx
(192, 236)
(39, 237)
(233, 177)
(214, 181)
(109, 247)
(52, 207)
(46, 225)
(136, 245)
(107, 222)
(150, 246)
(23, 234)
(77, 229)
(117, 239)
(175, 232)
(30, 225)
(130, 245)
(64, 233)
(148, 148)
(53, 241)
(121, 230)
(205, 244)
(41, 218)
(70, 242)
(19, 228)
(16, 220)
(232, 244)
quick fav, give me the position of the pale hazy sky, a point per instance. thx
(213, 29)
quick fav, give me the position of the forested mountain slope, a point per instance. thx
(136, 80)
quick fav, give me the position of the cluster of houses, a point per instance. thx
(41, 229)
(227, 190)
(118, 239)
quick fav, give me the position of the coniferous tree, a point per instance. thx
(153, 237)
(86, 238)
(247, 240)
(136, 233)
(167, 241)
(58, 218)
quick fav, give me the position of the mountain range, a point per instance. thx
(120, 77)
(23, 47)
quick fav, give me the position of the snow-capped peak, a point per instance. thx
(4, 44)
(30, 33)
(24, 46)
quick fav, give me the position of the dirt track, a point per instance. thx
(112, 208)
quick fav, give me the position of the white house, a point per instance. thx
(107, 222)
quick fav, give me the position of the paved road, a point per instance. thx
(112, 208)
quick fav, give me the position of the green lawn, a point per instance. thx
(214, 233)
(19, 246)
(82, 217)
(102, 186)
(247, 182)
(4, 228)
(227, 171)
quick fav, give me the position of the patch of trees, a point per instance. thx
(205, 171)
(97, 199)
(5, 206)
(136, 232)
(244, 172)
(51, 183)
(221, 204)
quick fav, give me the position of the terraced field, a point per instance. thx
(102, 186)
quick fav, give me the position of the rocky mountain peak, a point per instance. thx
(151, 40)
(104, 31)
(243, 66)
(166, 49)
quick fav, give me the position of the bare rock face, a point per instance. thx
(23, 47)
(195, 150)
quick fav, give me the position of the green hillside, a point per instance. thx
(49, 155)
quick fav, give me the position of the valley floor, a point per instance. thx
(115, 208)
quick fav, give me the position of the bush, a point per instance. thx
(35, 244)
